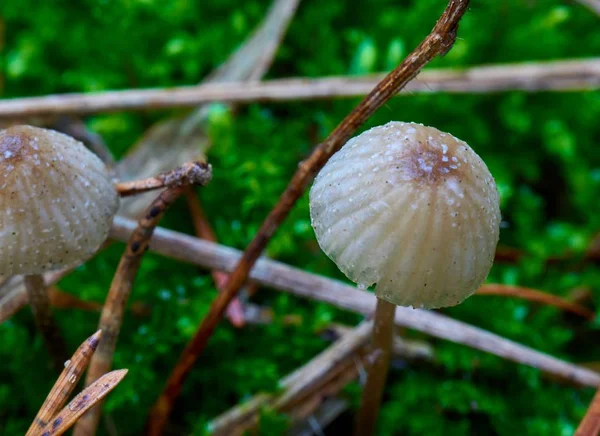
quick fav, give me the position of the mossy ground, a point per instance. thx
(542, 149)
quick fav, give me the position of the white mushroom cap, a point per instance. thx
(57, 201)
(412, 209)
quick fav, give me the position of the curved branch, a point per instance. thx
(437, 43)
(535, 296)
(590, 424)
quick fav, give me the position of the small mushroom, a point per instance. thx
(413, 211)
(57, 202)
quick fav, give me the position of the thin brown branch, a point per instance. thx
(590, 424)
(118, 295)
(535, 296)
(235, 311)
(437, 43)
(84, 401)
(191, 173)
(15, 298)
(570, 75)
(121, 286)
(591, 254)
(39, 301)
(507, 255)
(282, 277)
(65, 384)
(64, 300)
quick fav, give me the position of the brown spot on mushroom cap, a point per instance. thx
(431, 158)
(57, 201)
(14, 144)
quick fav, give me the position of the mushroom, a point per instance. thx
(57, 202)
(413, 211)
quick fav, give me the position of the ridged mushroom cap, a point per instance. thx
(410, 209)
(57, 201)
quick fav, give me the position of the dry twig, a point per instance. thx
(438, 42)
(175, 141)
(302, 382)
(283, 277)
(64, 300)
(51, 421)
(13, 297)
(309, 387)
(535, 296)
(590, 425)
(65, 384)
(191, 173)
(85, 400)
(569, 75)
(120, 289)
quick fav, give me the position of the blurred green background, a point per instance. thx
(541, 147)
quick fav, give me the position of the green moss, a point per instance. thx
(542, 148)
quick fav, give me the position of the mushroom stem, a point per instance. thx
(383, 334)
(40, 305)
(191, 173)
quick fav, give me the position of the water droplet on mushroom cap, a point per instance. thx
(57, 201)
(423, 227)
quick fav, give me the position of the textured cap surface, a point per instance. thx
(57, 201)
(411, 209)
